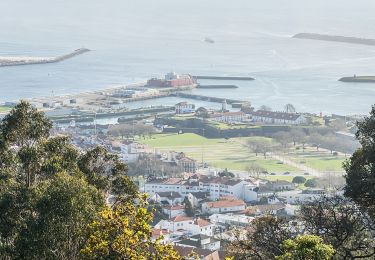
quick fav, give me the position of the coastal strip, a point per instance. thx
(19, 61)
(335, 38)
(224, 77)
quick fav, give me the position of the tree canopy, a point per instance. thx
(306, 247)
(360, 169)
(50, 191)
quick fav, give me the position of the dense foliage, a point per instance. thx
(50, 193)
(360, 168)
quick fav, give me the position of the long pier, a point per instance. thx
(224, 77)
(209, 99)
(19, 61)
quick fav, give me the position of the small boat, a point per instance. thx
(209, 40)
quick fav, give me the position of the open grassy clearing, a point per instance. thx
(321, 160)
(4, 109)
(218, 153)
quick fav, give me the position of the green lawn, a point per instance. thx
(4, 109)
(319, 160)
(218, 153)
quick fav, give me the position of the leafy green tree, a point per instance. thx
(339, 222)
(124, 232)
(62, 207)
(306, 247)
(311, 183)
(262, 240)
(360, 169)
(49, 191)
(22, 130)
(299, 179)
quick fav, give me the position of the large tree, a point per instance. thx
(123, 232)
(50, 191)
(306, 247)
(339, 222)
(360, 169)
(262, 239)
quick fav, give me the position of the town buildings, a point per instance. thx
(223, 206)
(184, 108)
(282, 118)
(217, 187)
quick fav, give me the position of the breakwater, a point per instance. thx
(224, 77)
(209, 99)
(19, 61)
(216, 86)
(334, 38)
(363, 79)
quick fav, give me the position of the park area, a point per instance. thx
(234, 154)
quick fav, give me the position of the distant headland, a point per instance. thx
(364, 79)
(17, 61)
(334, 38)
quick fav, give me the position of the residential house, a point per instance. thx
(187, 226)
(200, 241)
(187, 164)
(300, 197)
(174, 210)
(196, 198)
(157, 233)
(168, 197)
(231, 219)
(221, 206)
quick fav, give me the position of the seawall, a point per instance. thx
(14, 61)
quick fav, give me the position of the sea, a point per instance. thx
(132, 41)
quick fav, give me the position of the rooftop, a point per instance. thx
(276, 115)
(225, 203)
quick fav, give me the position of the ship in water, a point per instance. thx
(172, 80)
(209, 40)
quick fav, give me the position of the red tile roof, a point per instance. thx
(180, 218)
(225, 203)
(201, 222)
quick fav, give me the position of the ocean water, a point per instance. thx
(132, 41)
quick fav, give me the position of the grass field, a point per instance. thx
(319, 160)
(232, 154)
(4, 109)
(218, 153)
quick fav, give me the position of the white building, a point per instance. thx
(196, 198)
(300, 197)
(184, 108)
(200, 241)
(281, 118)
(174, 210)
(168, 197)
(230, 117)
(186, 226)
(231, 219)
(217, 187)
(222, 206)
(130, 152)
